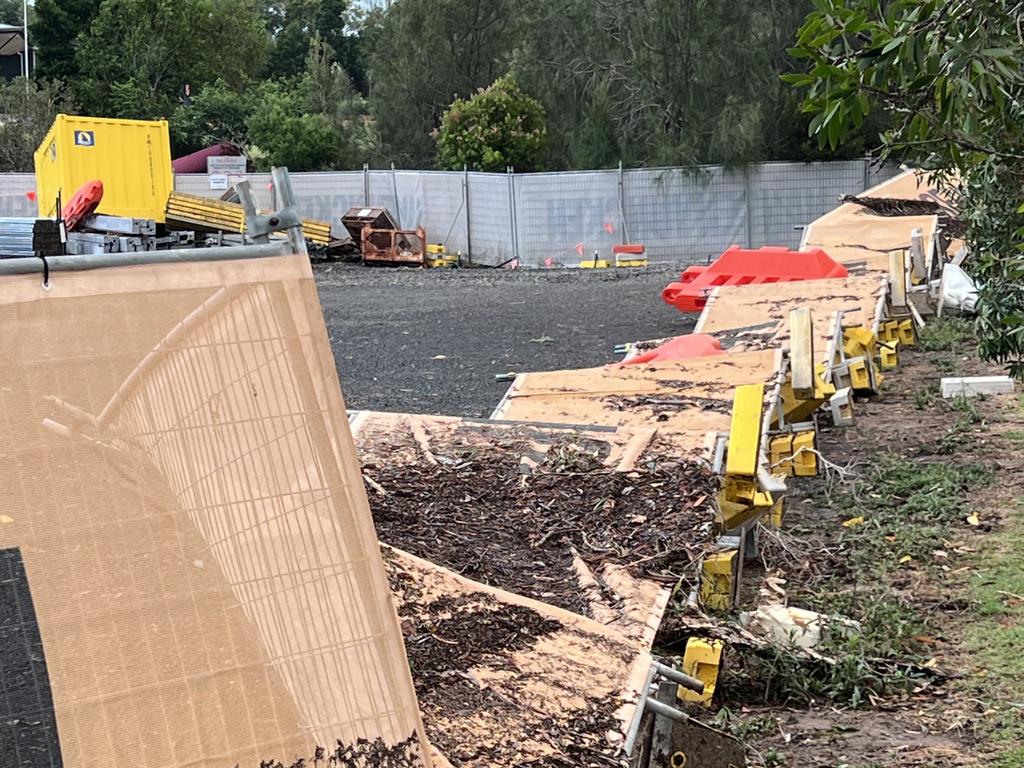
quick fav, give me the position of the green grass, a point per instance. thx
(945, 334)
(907, 507)
(995, 640)
(1014, 436)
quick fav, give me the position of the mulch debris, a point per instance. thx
(449, 636)
(894, 206)
(476, 513)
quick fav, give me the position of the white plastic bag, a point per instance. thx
(957, 290)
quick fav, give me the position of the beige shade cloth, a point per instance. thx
(685, 397)
(180, 481)
(757, 316)
(910, 185)
(854, 236)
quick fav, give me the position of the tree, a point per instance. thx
(952, 74)
(28, 110)
(136, 56)
(217, 113)
(293, 25)
(282, 133)
(425, 54)
(498, 127)
(11, 12)
(54, 36)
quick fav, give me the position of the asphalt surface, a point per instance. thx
(431, 341)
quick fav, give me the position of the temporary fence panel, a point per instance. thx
(186, 549)
(564, 219)
(685, 216)
(679, 215)
(490, 219)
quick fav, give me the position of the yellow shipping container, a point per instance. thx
(131, 157)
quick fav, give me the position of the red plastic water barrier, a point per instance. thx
(680, 348)
(743, 266)
(83, 203)
(631, 249)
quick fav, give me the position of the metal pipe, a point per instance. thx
(29, 266)
(688, 682)
(665, 710)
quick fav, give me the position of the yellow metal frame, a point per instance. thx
(702, 659)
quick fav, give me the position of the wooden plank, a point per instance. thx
(801, 353)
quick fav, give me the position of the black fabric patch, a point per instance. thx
(28, 725)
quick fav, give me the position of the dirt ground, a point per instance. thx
(939, 590)
(431, 341)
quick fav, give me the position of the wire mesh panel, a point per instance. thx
(685, 216)
(178, 475)
(786, 196)
(199, 184)
(326, 196)
(565, 218)
(15, 189)
(490, 217)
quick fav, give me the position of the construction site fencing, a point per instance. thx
(680, 215)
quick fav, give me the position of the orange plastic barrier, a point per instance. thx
(83, 203)
(679, 348)
(743, 266)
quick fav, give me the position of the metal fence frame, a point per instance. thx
(680, 215)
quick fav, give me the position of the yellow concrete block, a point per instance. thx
(860, 374)
(595, 264)
(780, 454)
(805, 460)
(745, 430)
(890, 331)
(907, 334)
(888, 357)
(631, 262)
(718, 580)
(701, 659)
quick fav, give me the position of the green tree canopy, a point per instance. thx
(54, 35)
(496, 128)
(28, 109)
(425, 53)
(138, 55)
(952, 75)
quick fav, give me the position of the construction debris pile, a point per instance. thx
(192, 523)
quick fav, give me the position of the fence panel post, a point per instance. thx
(366, 185)
(465, 202)
(622, 208)
(749, 202)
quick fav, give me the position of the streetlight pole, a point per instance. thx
(24, 20)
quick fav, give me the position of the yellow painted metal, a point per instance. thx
(907, 333)
(801, 353)
(745, 430)
(778, 513)
(718, 580)
(702, 659)
(805, 458)
(739, 502)
(435, 249)
(797, 409)
(131, 157)
(780, 453)
(222, 216)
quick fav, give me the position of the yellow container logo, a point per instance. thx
(85, 139)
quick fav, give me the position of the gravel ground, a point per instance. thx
(431, 341)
